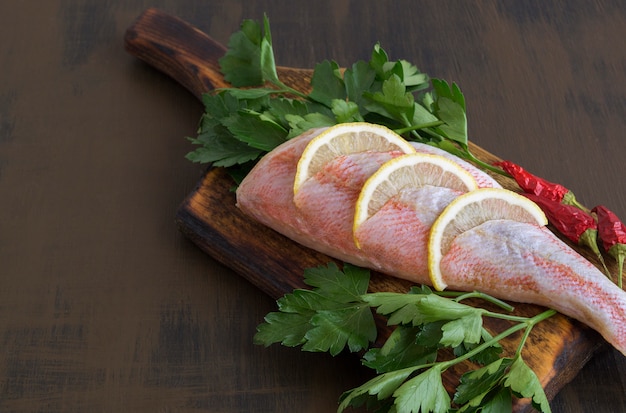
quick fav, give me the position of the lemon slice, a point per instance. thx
(470, 210)
(344, 139)
(408, 171)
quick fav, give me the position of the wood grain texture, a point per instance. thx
(106, 307)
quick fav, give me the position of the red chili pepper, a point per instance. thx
(532, 184)
(575, 224)
(612, 232)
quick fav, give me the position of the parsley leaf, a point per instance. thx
(346, 111)
(332, 314)
(268, 65)
(332, 282)
(224, 151)
(401, 350)
(249, 59)
(401, 308)
(327, 83)
(466, 329)
(379, 60)
(463, 323)
(423, 393)
(524, 383)
(453, 93)
(499, 402)
(452, 114)
(381, 386)
(289, 329)
(393, 101)
(280, 108)
(486, 356)
(478, 384)
(301, 124)
(248, 125)
(351, 326)
(359, 79)
(217, 143)
(241, 64)
(380, 90)
(336, 314)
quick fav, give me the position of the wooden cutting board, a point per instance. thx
(557, 349)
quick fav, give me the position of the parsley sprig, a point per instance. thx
(432, 332)
(259, 112)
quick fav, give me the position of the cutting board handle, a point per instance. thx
(177, 49)
(188, 55)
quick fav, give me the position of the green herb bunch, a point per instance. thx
(336, 315)
(260, 112)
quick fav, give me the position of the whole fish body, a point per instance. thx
(514, 261)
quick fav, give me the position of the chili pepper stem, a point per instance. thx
(620, 264)
(612, 232)
(618, 251)
(606, 270)
(570, 199)
(589, 239)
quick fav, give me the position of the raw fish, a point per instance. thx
(320, 216)
(510, 260)
(529, 264)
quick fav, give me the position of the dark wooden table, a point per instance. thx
(106, 307)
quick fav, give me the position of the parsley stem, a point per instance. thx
(459, 296)
(434, 134)
(444, 365)
(412, 128)
(531, 323)
(283, 88)
(463, 151)
(485, 345)
(524, 323)
(485, 165)
(520, 319)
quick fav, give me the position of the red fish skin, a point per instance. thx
(266, 195)
(308, 218)
(327, 200)
(399, 231)
(527, 263)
